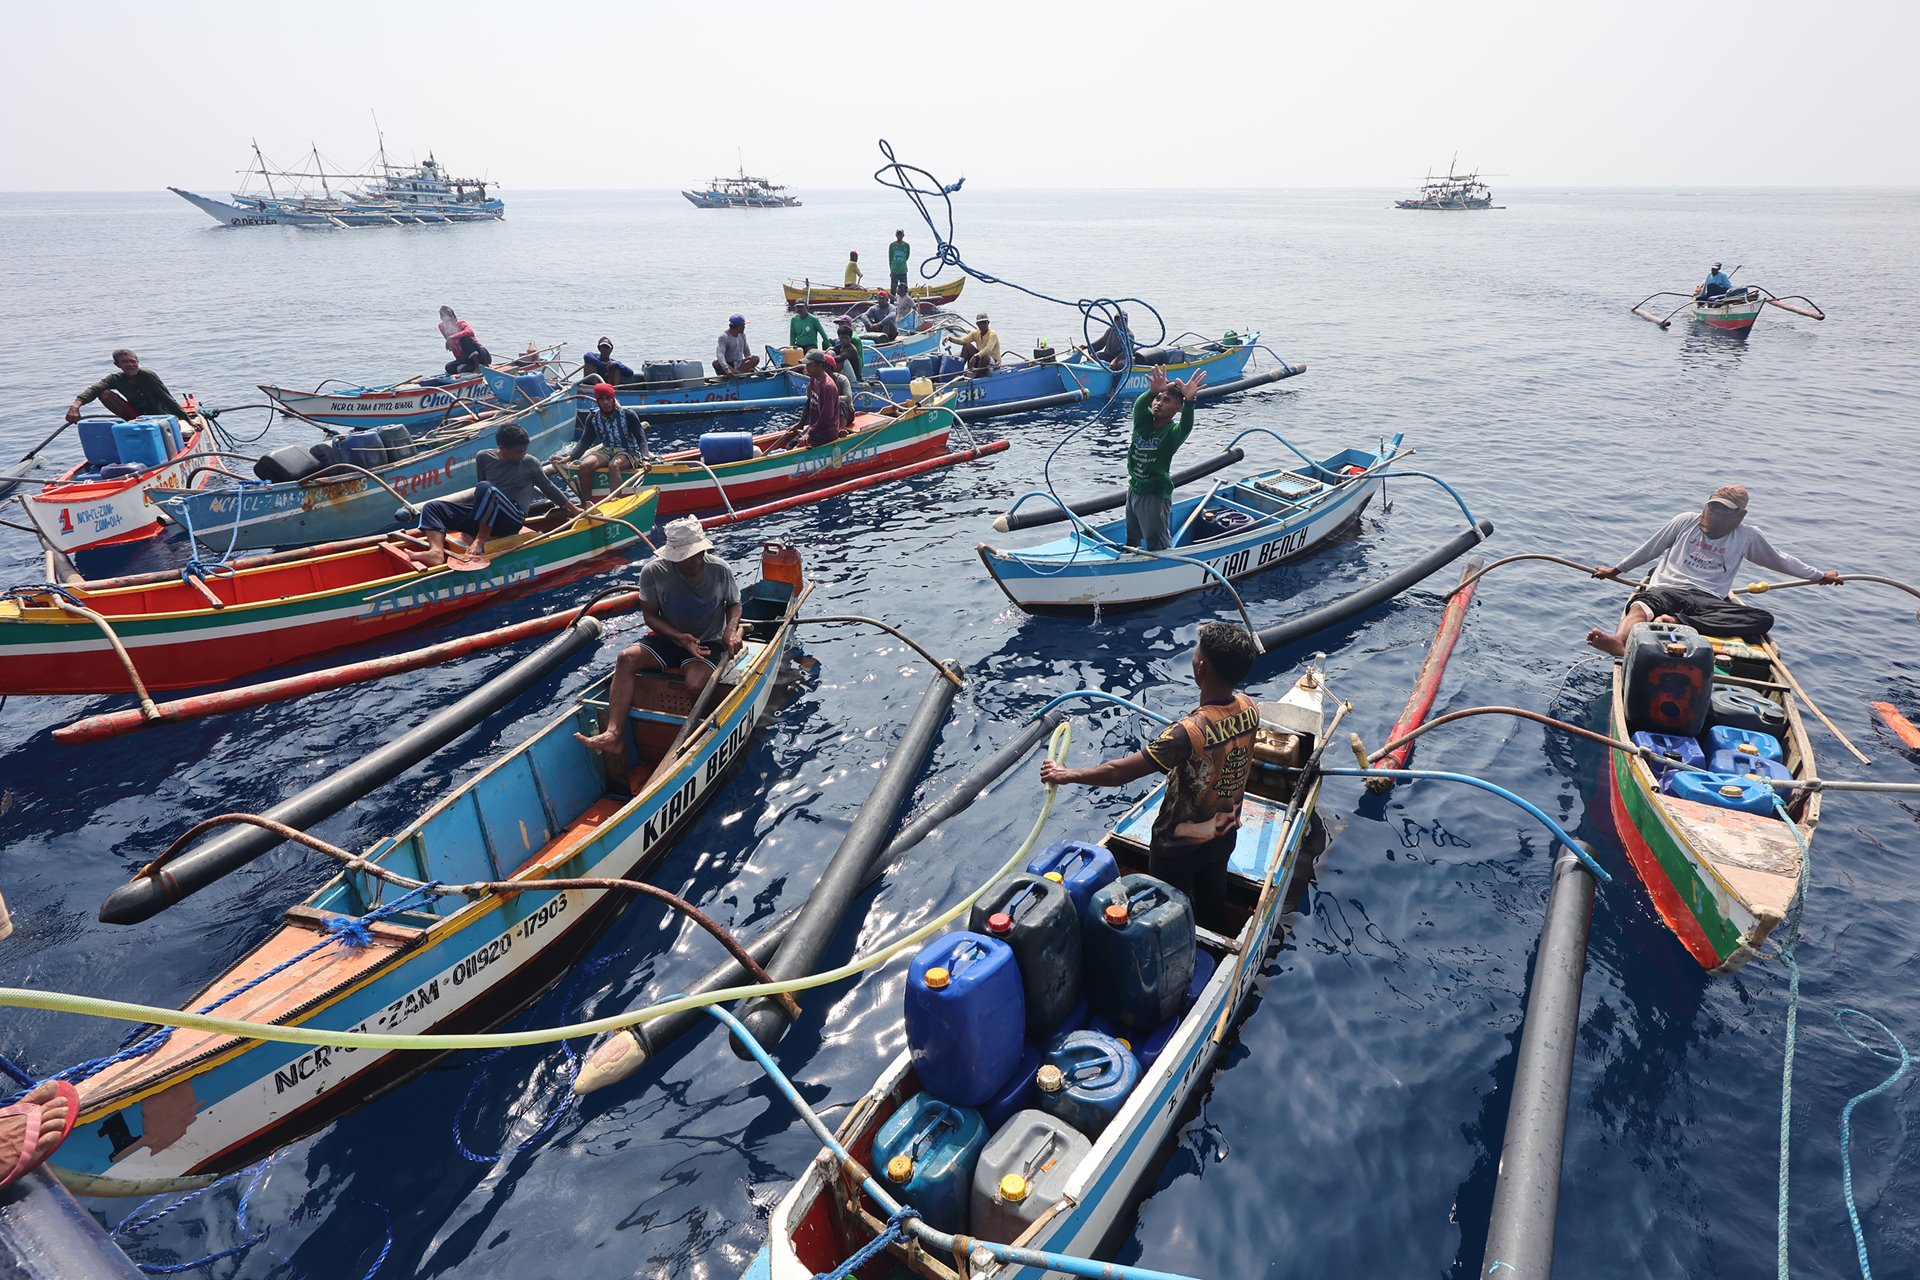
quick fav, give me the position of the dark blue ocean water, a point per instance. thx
(1355, 1126)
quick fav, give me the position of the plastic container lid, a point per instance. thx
(938, 978)
(1050, 1079)
(1013, 1188)
(1732, 789)
(999, 922)
(1054, 876)
(899, 1170)
(1116, 915)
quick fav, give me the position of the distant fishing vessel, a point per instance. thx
(742, 192)
(392, 195)
(1454, 193)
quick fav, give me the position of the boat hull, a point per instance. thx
(406, 404)
(93, 515)
(1734, 315)
(876, 444)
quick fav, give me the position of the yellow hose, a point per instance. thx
(95, 1007)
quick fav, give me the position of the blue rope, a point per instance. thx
(1846, 1118)
(1786, 954)
(45, 589)
(896, 1230)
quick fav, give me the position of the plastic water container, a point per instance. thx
(965, 1016)
(1016, 1093)
(397, 441)
(780, 562)
(926, 1153)
(143, 442)
(923, 366)
(1137, 952)
(1036, 917)
(1721, 790)
(1022, 1172)
(1085, 1079)
(96, 441)
(1147, 1049)
(287, 463)
(1685, 750)
(1668, 677)
(1723, 737)
(920, 388)
(950, 365)
(1083, 868)
(1742, 765)
(1736, 708)
(362, 448)
(725, 446)
(791, 357)
(170, 427)
(531, 388)
(1078, 1018)
(119, 470)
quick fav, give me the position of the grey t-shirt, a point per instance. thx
(732, 349)
(517, 480)
(697, 608)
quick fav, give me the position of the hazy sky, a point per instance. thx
(124, 96)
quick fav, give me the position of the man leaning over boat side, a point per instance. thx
(504, 485)
(1700, 556)
(692, 606)
(130, 392)
(732, 358)
(1207, 757)
(1156, 438)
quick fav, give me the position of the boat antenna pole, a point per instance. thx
(264, 175)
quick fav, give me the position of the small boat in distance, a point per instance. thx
(742, 192)
(1728, 309)
(1454, 193)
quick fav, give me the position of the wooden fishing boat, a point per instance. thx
(876, 442)
(825, 1217)
(330, 506)
(1721, 879)
(1731, 312)
(79, 510)
(1224, 361)
(699, 396)
(1015, 387)
(1236, 529)
(201, 1105)
(833, 298)
(415, 403)
(182, 632)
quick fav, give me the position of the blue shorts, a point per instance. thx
(489, 505)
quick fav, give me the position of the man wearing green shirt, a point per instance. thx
(1156, 438)
(897, 254)
(130, 393)
(804, 330)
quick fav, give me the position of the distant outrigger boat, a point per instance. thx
(396, 195)
(833, 298)
(1731, 312)
(742, 192)
(1455, 193)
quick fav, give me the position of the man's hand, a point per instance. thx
(733, 641)
(1605, 571)
(73, 413)
(1190, 389)
(1156, 380)
(1831, 578)
(1054, 775)
(692, 645)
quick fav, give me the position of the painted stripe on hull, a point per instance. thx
(1652, 868)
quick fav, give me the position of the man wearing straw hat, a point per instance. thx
(1700, 557)
(979, 346)
(692, 606)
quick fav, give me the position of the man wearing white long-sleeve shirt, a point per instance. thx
(1700, 557)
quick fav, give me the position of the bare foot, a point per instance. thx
(1606, 642)
(427, 559)
(607, 741)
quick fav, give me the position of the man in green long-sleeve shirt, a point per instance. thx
(805, 330)
(129, 393)
(1156, 438)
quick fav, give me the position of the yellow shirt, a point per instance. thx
(986, 344)
(853, 274)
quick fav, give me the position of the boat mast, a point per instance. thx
(321, 169)
(261, 160)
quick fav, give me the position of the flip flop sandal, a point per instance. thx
(50, 1110)
(465, 563)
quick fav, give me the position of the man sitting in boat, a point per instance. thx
(805, 330)
(1700, 556)
(1717, 283)
(853, 273)
(820, 421)
(846, 350)
(979, 346)
(1156, 438)
(692, 606)
(906, 313)
(731, 356)
(1206, 756)
(468, 354)
(601, 364)
(130, 392)
(503, 489)
(1113, 347)
(606, 438)
(878, 319)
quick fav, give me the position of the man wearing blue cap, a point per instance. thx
(732, 359)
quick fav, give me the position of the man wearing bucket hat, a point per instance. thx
(732, 358)
(979, 346)
(692, 606)
(1700, 556)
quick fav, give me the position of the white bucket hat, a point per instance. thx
(683, 539)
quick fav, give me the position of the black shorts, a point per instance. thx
(1705, 612)
(1200, 872)
(671, 653)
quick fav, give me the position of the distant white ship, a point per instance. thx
(390, 195)
(742, 192)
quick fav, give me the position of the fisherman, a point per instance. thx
(898, 254)
(1717, 282)
(606, 438)
(468, 355)
(131, 392)
(852, 280)
(692, 606)
(805, 330)
(1156, 438)
(820, 421)
(1206, 756)
(979, 346)
(504, 485)
(731, 357)
(600, 362)
(846, 349)
(906, 313)
(1114, 347)
(1700, 556)
(878, 319)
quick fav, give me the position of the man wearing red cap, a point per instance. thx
(1700, 556)
(606, 438)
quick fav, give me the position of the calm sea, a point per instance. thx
(1355, 1126)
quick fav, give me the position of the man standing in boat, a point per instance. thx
(1700, 556)
(731, 356)
(505, 482)
(692, 606)
(897, 255)
(130, 392)
(1156, 438)
(1207, 757)
(805, 330)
